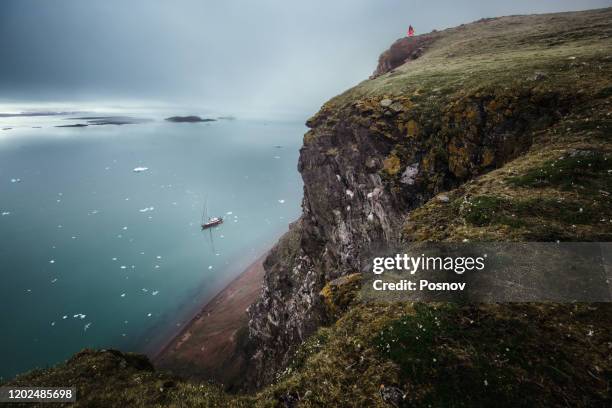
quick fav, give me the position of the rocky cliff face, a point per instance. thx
(402, 51)
(364, 168)
(389, 145)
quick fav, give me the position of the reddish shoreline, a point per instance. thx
(206, 347)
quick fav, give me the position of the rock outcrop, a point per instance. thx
(402, 51)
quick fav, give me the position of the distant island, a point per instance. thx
(105, 120)
(73, 125)
(188, 119)
(112, 120)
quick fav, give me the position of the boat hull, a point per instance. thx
(211, 224)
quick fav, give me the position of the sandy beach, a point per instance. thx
(206, 347)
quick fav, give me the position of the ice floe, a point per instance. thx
(16, 180)
(6, 213)
(281, 201)
(140, 169)
(123, 295)
(146, 209)
(87, 325)
(155, 292)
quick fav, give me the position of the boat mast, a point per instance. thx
(204, 213)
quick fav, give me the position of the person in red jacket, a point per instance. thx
(410, 31)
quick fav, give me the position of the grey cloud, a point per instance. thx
(262, 56)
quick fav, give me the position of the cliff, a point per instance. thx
(497, 130)
(482, 102)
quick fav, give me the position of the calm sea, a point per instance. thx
(94, 254)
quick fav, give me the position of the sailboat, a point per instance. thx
(211, 222)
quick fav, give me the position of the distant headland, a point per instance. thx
(188, 119)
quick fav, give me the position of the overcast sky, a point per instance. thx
(267, 57)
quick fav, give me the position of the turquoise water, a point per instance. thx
(93, 254)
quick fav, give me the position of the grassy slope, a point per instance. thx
(498, 52)
(513, 355)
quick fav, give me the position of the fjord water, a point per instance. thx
(93, 254)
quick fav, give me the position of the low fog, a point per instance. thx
(256, 58)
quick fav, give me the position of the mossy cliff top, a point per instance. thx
(497, 130)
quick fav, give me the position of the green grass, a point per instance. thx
(488, 210)
(590, 170)
(109, 378)
(487, 356)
